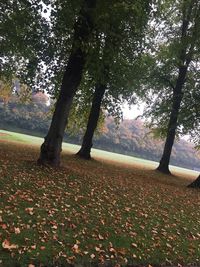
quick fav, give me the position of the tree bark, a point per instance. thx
(195, 183)
(85, 150)
(185, 59)
(172, 125)
(51, 148)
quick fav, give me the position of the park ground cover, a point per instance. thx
(90, 212)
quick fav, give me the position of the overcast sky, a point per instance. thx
(132, 113)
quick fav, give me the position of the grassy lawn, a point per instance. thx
(93, 211)
(96, 153)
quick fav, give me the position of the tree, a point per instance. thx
(122, 46)
(5, 91)
(191, 114)
(86, 146)
(173, 65)
(23, 39)
(51, 148)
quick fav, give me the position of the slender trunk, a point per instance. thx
(51, 148)
(195, 183)
(185, 59)
(172, 125)
(85, 150)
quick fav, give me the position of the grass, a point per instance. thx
(93, 211)
(98, 154)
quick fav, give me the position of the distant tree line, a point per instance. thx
(130, 137)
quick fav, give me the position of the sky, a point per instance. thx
(133, 112)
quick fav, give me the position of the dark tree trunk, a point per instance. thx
(172, 125)
(195, 183)
(85, 150)
(185, 59)
(51, 148)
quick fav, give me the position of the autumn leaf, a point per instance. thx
(97, 249)
(3, 226)
(100, 237)
(75, 248)
(7, 245)
(17, 230)
(134, 245)
(92, 256)
(29, 210)
(127, 209)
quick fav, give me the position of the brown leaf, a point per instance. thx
(134, 245)
(7, 245)
(92, 256)
(100, 237)
(29, 211)
(3, 226)
(17, 230)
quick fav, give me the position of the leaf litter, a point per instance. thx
(92, 212)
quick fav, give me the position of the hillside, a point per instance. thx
(130, 138)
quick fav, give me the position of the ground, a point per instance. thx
(93, 211)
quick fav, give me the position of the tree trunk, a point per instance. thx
(51, 148)
(195, 183)
(185, 58)
(172, 125)
(85, 150)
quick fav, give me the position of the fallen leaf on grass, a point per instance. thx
(29, 211)
(75, 248)
(127, 209)
(3, 226)
(97, 249)
(121, 251)
(92, 256)
(100, 237)
(7, 245)
(134, 245)
(17, 230)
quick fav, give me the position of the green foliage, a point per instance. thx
(172, 49)
(128, 137)
(23, 39)
(114, 56)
